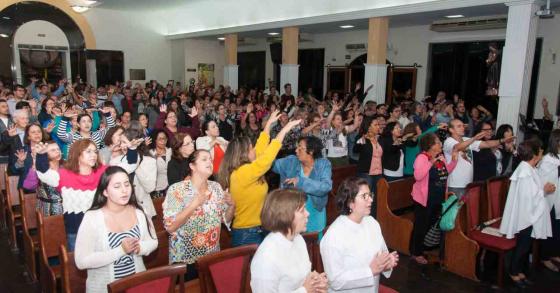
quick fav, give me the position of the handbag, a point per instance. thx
(432, 237)
(450, 209)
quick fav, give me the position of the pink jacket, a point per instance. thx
(422, 166)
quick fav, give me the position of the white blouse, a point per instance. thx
(280, 265)
(347, 250)
(548, 171)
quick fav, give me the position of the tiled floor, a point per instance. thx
(407, 277)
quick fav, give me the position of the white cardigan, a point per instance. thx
(144, 183)
(94, 253)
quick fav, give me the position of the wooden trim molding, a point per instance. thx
(63, 5)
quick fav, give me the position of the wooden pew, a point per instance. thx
(396, 227)
(338, 175)
(460, 251)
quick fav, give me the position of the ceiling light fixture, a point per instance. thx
(273, 34)
(6, 17)
(221, 38)
(4, 35)
(89, 2)
(80, 9)
(454, 16)
(346, 26)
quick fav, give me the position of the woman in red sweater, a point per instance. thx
(77, 180)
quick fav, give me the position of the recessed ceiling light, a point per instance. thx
(455, 16)
(273, 34)
(4, 35)
(6, 17)
(346, 26)
(80, 9)
(89, 2)
(221, 38)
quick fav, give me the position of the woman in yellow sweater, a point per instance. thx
(242, 171)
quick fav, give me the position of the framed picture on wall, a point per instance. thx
(206, 74)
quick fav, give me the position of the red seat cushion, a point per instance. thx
(383, 289)
(490, 241)
(159, 285)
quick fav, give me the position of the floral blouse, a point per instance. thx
(200, 235)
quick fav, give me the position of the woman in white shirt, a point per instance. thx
(114, 234)
(213, 143)
(353, 249)
(549, 171)
(335, 136)
(281, 264)
(526, 214)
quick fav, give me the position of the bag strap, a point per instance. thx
(450, 206)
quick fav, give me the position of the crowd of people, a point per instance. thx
(261, 163)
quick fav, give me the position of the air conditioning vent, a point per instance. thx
(470, 24)
(303, 37)
(356, 47)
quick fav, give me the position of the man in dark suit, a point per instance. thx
(5, 123)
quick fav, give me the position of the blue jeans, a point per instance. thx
(244, 236)
(71, 241)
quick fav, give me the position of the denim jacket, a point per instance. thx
(317, 186)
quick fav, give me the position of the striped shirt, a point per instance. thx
(124, 266)
(95, 136)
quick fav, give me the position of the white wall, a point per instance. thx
(411, 45)
(141, 37)
(203, 51)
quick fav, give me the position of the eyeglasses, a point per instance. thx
(366, 196)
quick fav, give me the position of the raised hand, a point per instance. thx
(40, 148)
(12, 130)
(50, 127)
(163, 108)
(70, 113)
(32, 104)
(148, 140)
(106, 110)
(21, 155)
(274, 116)
(292, 124)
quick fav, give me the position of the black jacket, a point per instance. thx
(391, 153)
(366, 152)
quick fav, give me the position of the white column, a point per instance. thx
(517, 61)
(231, 76)
(376, 75)
(289, 74)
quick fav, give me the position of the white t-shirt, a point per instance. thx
(462, 175)
(337, 144)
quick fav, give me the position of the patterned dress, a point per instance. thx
(49, 200)
(200, 235)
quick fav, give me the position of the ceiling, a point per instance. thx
(424, 18)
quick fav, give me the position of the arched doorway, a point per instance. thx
(47, 56)
(14, 14)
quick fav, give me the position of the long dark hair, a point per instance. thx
(100, 200)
